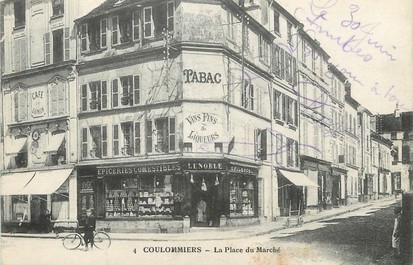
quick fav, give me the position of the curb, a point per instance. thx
(235, 233)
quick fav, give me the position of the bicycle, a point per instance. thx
(101, 240)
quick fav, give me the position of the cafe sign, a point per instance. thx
(38, 98)
(202, 127)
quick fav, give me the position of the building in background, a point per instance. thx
(366, 171)
(353, 157)
(39, 111)
(398, 127)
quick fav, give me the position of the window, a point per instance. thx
(276, 22)
(264, 50)
(290, 153)
(242, 190)
(247, 96)
(289, 33)
(218, 147)
(58, 7)
(163, 137)
(84, 142)
(188, 147)
(116, 140)
(136, 25)
(147, 22)
(21, 159)
(128, 137)
(20, 106)
(279, 149)
(84, 38)
(130, 91)
(98, 95)
(277, 105)
(57, 45)
(230, 26)
(99, 146)
(57, 99)
(314, 61)
(288, 68)
(260, 146)
(103, 33)
(20, 208)
(19, 13)
(393, 135)
(170, 15)
(115, 30)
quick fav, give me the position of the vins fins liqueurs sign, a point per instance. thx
(203, 128)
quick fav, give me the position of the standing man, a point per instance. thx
(90, 224)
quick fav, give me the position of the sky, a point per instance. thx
(370, 41)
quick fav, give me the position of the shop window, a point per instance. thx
(19, 13)
(20, 106)
(242, 190)
(138, 196)
(20, 206)
(58, 7)
(60, 206)
(86, 195)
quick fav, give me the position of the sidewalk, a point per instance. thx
(205, 234)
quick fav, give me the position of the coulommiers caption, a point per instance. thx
(193, 249)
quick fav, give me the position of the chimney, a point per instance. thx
(347, 88)
(397, 111)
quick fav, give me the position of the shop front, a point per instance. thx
(167, 197)
(339, 189)
(32, 196)
(292, 191)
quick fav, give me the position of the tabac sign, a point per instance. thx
(202, 127)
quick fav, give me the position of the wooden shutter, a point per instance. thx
(67, 44)
(137, 138)
(53, 101)
(61, 98)
(148, 136)
(115, 140)
(104, 95)
(16, 106)
(263, 145)
(84, 97)
(172, 129)
(17, 55)
(47, 48)
(115, 93)
(84, 142)
(282, 64)
(136, 90)
(104, 141)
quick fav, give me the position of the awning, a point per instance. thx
(55, 142)
(13, 183)
(298, 178)
(16, 146)
(47, 182)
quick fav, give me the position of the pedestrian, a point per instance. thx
(90, 225)
(396, 231)
(45, 222)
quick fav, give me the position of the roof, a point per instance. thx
(337, 72)
(110, 6)
(377, 137)
(350, 100)
(313, 42)
(391, 123)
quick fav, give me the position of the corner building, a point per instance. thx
(175, 116)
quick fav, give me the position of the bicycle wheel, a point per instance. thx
(72, 241)
(101, 240)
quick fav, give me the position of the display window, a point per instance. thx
(242, 199)
(20, 206)
(138, 196)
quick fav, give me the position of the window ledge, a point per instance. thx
(54, 17)
(278, 121)
(93, 52)
(19, 27)
(127, 44)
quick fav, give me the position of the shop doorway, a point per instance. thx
(205, 201)
(38, 206)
